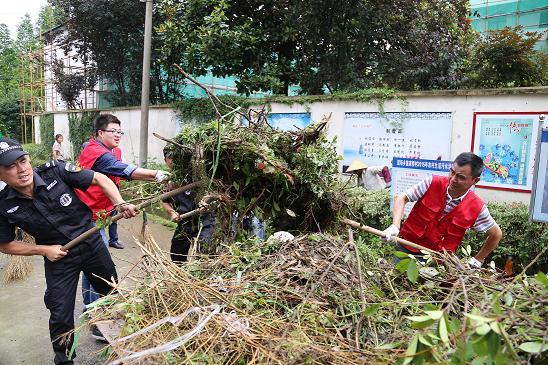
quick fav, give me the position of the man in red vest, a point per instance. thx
(102, 154)
(445, 208)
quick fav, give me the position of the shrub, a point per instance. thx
(521, 241)
(39, 153)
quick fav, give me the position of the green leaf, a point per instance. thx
(434, 314)
(533, 347)
(483, 329)
(425, 341)
(479, 319)
(411, 350)
(403, 265)
(508, 299)
(493, 343)
(541, 278)
(388, 346)
(372, 309)
(443, 330)
(412, 271)
(495, 326)
(481, 346)
(419, 318)
(401, 255)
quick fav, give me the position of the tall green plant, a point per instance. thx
(80, 129)
(47, 130)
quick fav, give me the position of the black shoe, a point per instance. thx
(96, 334)
(117, 245)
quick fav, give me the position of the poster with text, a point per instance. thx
(376, 139)
(506, 142)
(288, 121)
(407, 173)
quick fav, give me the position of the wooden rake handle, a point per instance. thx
(140, 206)
(374, 231)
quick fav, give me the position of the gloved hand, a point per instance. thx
(162, 176)
(474, 263)
(391, 233)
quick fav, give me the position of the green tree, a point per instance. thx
(507, 58)
(48, 18)
(8, 62)
(110, 35)
(25, 39)
(10, 124)
(320, 44)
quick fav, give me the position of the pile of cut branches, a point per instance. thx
(306, 301)
(287, 178)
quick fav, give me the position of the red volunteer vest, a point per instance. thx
(93, 197)
(427, 226)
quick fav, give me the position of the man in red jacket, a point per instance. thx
(102, 154)
(445, 208)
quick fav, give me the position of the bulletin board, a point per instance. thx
(539, 196)
(506, 142)
(376, 139)
(288, 121)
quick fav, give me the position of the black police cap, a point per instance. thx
(10, 150)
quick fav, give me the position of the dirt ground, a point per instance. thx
(24, 336)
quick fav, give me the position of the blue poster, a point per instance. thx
(288, 121)
(506, 144)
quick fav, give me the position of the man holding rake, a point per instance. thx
(44, 204)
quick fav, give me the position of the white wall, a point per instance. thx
(462, 105)
(162, 120)
(462, 108)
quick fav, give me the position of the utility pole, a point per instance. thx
(145, 88)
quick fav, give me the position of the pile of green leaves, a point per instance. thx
(289, 179)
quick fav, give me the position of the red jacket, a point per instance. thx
(427, 226)
(94, 197)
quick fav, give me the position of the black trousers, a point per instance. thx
(91, 257)
(182, 238)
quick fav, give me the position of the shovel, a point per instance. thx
(374, 231)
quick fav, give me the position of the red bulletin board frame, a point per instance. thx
(534, 135)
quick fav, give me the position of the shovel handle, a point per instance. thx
(374, 231)
(142, 205)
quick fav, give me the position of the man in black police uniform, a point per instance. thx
(43, 204)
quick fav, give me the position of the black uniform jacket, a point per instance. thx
(54, 215)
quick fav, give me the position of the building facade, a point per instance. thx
(532, 15)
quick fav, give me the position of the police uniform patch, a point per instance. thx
(70, 167)
(65, 200)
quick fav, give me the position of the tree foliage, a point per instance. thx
(507, 58)
(70, 85)
(110, 35)
(8, 62)
(48, 18)
(319, 45)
